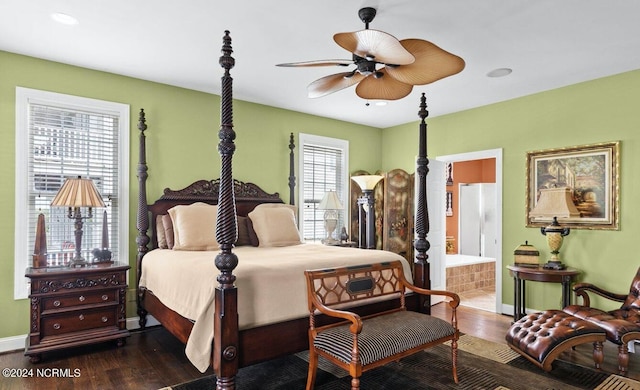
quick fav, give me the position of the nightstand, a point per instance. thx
(76, 306)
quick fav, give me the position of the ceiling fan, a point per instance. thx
(385, 68)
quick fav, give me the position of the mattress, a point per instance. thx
(270, 281)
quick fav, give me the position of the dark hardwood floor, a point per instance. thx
(154, 358)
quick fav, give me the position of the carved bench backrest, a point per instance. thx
(345, 286)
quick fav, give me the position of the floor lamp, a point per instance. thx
(366, 203)
(74, 194)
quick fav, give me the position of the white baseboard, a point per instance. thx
(507, 309)
(12, 343)
(15, 343)
(133, 322)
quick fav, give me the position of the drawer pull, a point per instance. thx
(105, 297)
(105, 319)
(56, 303)
(81, 298)
(56, 326)
(81, 317)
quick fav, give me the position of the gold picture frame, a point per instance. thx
(592, 172)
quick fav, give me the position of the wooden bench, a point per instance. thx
(358, 344)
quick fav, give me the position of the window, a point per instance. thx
(60, 136)
(324, 166)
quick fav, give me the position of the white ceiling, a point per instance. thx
(547, 43)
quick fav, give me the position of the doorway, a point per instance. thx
(474, 255)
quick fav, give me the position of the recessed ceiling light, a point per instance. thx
(381, 103)
(500, 72)
(64, 19)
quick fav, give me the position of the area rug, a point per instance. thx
(481, 365)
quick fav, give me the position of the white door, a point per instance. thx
(477, 229)
(436, 206)
(469, 222)
(489, 221)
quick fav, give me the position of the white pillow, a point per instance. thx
(278, 205)
(275, 225)
(194, 227)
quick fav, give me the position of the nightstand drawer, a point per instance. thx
(77, 321)
(65, 301)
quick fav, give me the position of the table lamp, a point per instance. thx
(330, 204)
(555, 203)
(74, 194)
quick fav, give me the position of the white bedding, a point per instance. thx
(270, 282)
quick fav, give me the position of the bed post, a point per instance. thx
(142, 220)
(226, 334)
(292, 172)
(421, 244)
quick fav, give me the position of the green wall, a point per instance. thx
(592, 112)
(182, 139)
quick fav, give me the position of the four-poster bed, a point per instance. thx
(236, 344)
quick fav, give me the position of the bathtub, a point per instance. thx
(465, 273)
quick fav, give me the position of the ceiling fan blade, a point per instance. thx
(317, 63)
(375, 45)
(382, 88)
(333, 83)
(432, 63)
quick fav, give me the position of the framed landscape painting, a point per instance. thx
(591, 172)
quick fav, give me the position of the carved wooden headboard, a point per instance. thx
(247, 197)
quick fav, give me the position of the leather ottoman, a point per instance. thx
(542, 337)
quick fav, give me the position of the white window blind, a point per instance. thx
(58, 137)
(67, 143)
(324, 168)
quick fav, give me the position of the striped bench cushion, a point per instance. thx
(384, 336)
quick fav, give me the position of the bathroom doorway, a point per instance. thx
(474, 228)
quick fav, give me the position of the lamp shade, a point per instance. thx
(555, 202)
(78, 192)
(330, 202)
(367, 182)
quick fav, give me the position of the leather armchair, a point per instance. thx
(621, 325)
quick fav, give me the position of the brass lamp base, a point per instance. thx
(554, 233)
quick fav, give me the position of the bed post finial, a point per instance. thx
(226, 61)
(142, 219)
(226, 333)
(421, 244)
(292, 171)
